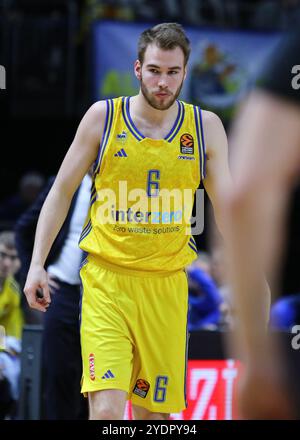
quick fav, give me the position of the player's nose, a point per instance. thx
(162, 82)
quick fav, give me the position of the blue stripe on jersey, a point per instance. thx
(94, 197)
(176, 121)
(111, 117)
(128, 121)
(192, 240)
(180, 117)
(106, 133)
(203, 144)
(193, 248)
(80, 303)
(103, 135)
(93, 191)
(93, 200)
(88, 226)
(86, 233)
(200, 141)
(84, 262)
(135, 129)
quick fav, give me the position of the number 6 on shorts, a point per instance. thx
(160, 389)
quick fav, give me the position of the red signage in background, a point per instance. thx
(211, 391)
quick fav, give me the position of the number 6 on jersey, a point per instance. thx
(153, 183)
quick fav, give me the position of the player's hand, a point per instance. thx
(263, 396)
(37, 289)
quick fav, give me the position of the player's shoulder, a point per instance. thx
(214, 132)
(100, 109)
(212, 124)
(97, 109)
(210, 118)
(93, 120)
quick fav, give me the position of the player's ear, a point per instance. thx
(138, 69)
(185, 73)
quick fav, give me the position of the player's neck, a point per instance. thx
(140, 107)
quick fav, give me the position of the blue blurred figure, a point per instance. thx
(204, 300)
(285, 313)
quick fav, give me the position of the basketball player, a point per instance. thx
(266, 160)
(134, 302)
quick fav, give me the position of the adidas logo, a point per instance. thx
(108, 375)
(121, 153)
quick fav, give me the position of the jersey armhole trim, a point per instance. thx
(200, 139)
(106, 133)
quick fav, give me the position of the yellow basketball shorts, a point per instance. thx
(134, 336)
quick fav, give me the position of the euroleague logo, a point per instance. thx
(187, 144)
(92, 366)
(141, 388)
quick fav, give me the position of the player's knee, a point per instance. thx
(107, 405)
(141, 413)
(155, 416)
(165, 416)
(105, 413)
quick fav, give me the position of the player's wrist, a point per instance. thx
(36, 265)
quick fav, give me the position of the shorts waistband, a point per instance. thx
(125, 271)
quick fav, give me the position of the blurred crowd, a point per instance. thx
(255, 14)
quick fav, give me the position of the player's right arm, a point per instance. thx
(80, 156)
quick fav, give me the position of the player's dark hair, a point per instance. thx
(166, 36)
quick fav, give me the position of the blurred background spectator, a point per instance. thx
(204, 297)
(12, 207)
(285, 313)
(210, 304)
(11, 325)
(11, 317)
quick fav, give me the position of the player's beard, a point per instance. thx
(154, 102)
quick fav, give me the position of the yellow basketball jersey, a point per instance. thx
(11, 315)
(142, 193)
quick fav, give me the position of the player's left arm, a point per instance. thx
(217, 168)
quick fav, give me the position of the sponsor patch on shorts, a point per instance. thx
(92, 366)
(141, 388)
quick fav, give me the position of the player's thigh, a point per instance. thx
(107, 404)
